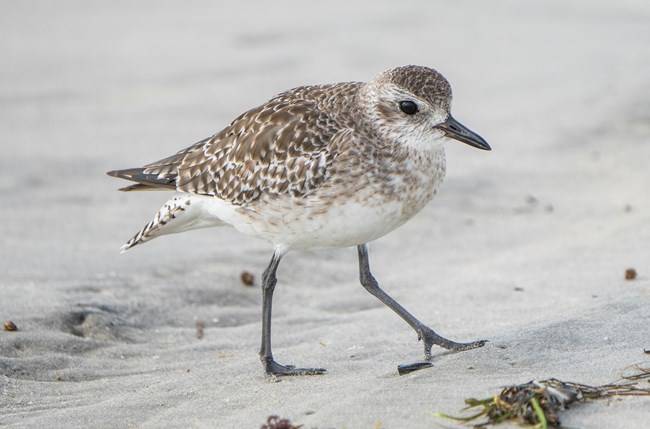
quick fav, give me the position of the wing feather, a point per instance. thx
(282, 147)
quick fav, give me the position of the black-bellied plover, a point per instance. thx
(324, 166)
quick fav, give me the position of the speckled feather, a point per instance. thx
(288, 162)
(281, 147)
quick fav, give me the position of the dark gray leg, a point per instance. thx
(424, 332)
(270, 365)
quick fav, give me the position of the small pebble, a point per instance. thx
(630, 274)
(247, 278)
(10, 326)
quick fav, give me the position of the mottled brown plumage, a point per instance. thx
(282, 147)
(323, 166)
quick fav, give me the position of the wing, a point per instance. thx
(283, 147)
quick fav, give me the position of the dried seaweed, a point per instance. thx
(538, 402)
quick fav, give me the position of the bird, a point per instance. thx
(316, 167)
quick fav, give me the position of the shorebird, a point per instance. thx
(316, 167)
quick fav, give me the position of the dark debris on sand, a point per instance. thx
(275, 422)
(9, 326)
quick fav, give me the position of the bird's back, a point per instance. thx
(284, 146)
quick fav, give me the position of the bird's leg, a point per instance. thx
(268, 286)
(426, 334)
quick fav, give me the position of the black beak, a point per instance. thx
(457, 131)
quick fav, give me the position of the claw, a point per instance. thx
(431, 339)
(274, 368)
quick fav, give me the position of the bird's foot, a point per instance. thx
(430, 338)
(274, 368)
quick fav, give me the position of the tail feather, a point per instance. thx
(141, 187)
(159, 174)
(158, 225)
(145, 181)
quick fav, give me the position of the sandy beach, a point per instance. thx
(525, 246)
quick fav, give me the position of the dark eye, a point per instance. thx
(408, 107)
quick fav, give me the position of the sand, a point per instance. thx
(525, 246)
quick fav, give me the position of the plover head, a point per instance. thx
(412, 105)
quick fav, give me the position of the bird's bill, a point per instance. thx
(457, 131)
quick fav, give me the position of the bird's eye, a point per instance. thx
(408, 107)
